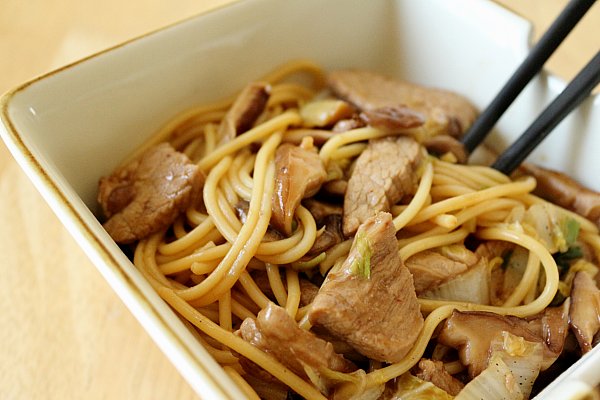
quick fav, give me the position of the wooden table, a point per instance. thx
(63, 333)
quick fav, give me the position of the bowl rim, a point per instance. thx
(84, 235)
(97, 251)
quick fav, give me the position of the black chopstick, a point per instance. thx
(570, 97)
(532, 64)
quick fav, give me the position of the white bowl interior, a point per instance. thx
(78, 123)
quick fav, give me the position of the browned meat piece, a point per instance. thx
(490, 250)
(345, 125)
(331, 236)
(369, 301)
(308, 291)
(326, 112)
(276, 333)
(472, 333)
(241, 210)
(327, 215)
(434, 372)
(585, 310)
(383, 174)
(431, 268)
(300, 174)
(321, 210)
(564, 191)
(392, 119)
(247, 107)
(442, 144)
(336, 187)
(445, 112)
(146, 195)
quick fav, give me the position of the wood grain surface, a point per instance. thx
(63, 333)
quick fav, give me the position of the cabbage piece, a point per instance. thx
(496, 382)
(513, 367)
(472, 286)
(358, 378)
(523, 358)
(553, 227)
(409, 387)
(506, 277)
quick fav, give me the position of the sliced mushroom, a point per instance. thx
(299, 174)
(326, 112)
(247, 107)
(443, 144)
(392, 119)
(565, 191)
(473, 332)
(585, 310)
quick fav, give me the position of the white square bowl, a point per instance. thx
(74, 125)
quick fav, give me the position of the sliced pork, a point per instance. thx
(276, 333)
(444, 112)
(369, 301)
(384, 173)
(146, 195)
(434, 372)
(430, 268)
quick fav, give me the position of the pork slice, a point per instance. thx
(146, 195)
(434, 372)
(299, 174)
(565, 191)
(369, 301)
(445, 112)
(246, 108)
(430, 268)
(384, 173)
(276, 333)
(585, 310)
